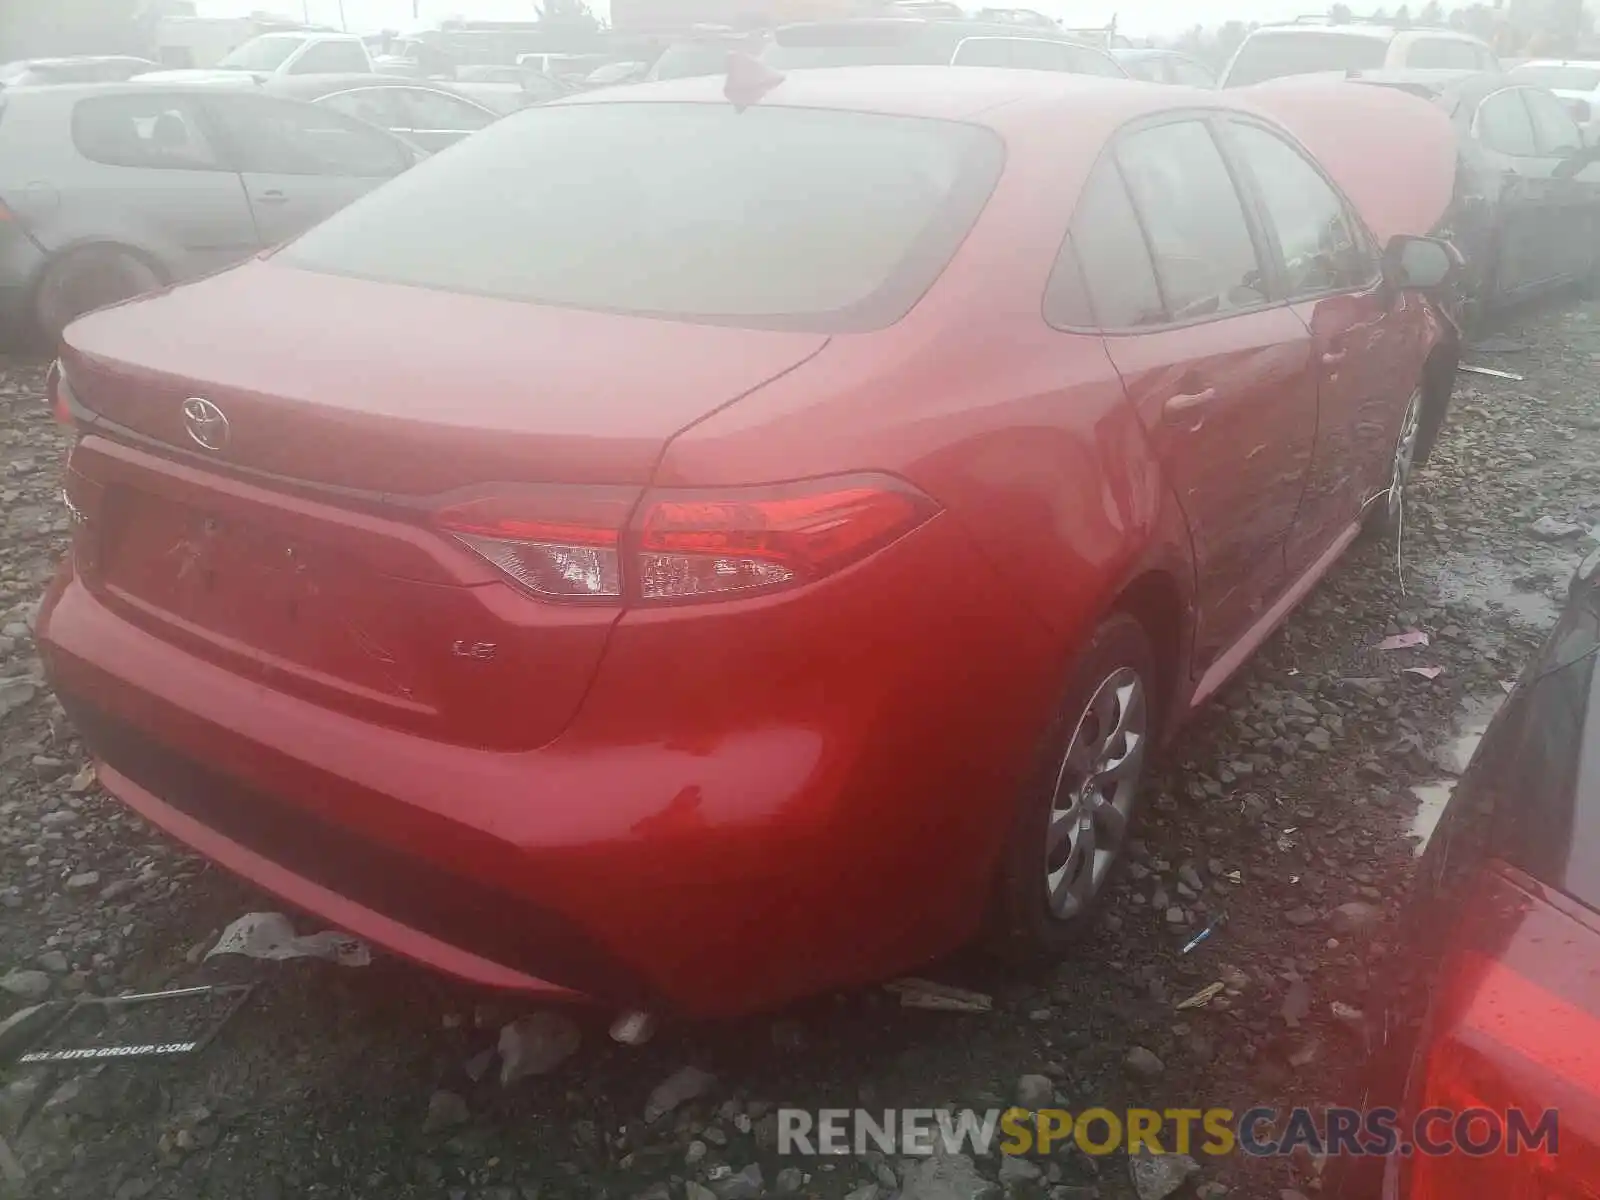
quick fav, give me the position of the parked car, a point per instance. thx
(1313, 47)
(698, 588)
(279, 54)
(910, 40)
(1576, 83)
(1527, 208)
(1502, 943)
(1165, 66)
(108, 190)
(425, 113)
(706, 54)
(82, 68)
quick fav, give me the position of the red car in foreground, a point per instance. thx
(695, 554)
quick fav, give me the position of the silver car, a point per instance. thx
(110, 190)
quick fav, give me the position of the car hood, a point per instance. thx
(1393, 154)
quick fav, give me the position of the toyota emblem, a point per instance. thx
(205, 423)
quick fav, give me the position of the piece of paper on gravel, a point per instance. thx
(270, 936)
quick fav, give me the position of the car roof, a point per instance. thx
(938, 25)
(997, 97)
(1560, 62)
(1376, 32)
(1135, 53)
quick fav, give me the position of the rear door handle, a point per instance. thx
(273, 196)
(1187, 402)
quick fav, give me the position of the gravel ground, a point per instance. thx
(1286, 807)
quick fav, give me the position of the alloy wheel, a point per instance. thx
(1095, 789)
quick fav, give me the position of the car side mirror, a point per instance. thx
(1419, 263)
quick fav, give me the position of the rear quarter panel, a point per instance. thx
(1021, 431)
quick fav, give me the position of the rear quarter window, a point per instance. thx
(770, 218)
(1267, 56)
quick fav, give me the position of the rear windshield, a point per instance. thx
(1273, 55)
(1560, 79)
(768, 218)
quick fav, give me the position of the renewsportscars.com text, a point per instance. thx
(1259, 1132)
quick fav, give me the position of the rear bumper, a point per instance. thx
(748, 808)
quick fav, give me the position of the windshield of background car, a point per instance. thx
(777, 218)
(1560, 79)
(1267, 56)
(261, 54)
(689, 59)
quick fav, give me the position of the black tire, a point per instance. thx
(1438, 388)
(85, 279)
(1024, 927)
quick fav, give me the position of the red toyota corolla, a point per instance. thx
(694, 553)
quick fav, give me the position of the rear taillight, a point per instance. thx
(579, 543)
(712, 544)
(557, 542)
(1508, 1084)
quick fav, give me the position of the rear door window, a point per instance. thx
(1267, 56)
(1504, 125)
(272, 137)
(1554, 130)
(424, 109)
(166, 132)
(768, 218)
(1114, 259)
(1323, 249)
(1205, 256)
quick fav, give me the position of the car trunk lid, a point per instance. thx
(387, 388)
(301, 552)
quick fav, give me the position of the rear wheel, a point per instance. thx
(85, 279)
(1073, 822)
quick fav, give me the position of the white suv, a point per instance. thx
(279, 54)
(1311, 48)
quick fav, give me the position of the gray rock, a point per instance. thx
(1354, 918)
(689, 1083)
(55, 962)
(446, 1110)
(1157, 1176)
(536, 1045)
(1551, 529)
(1143, 1064)
(1187, 874)
(947, 1177)
(697, 1191)
(1319, 739)
(29, 985)
(14, 693)
(1068, 1191)
(695, 1154)
(1035, 1091)
(656, 1191)
(789, 1182)
(1301, 917)
(867, 1191)
(742, 1185)
(83, 881)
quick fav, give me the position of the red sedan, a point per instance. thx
(695, 554)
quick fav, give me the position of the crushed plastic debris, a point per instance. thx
(270, 936)
(1204, 996)
(1404, 641)
(938, 997)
